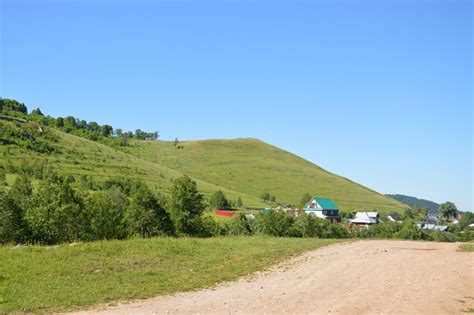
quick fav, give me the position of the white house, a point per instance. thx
(323, 208)
(366, 219)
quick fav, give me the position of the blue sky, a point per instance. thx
(380, 93)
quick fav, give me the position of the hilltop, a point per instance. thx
(243, 168)
(252, 166)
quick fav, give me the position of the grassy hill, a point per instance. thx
(78, 156)
(242, 168)
(253, 167)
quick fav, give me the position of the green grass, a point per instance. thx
(38, 279)
(251, 166)
(241, 168)
(466, 248)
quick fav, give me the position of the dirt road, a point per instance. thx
(365, 277)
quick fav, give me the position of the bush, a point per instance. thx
(276, 223)
(106, 210)
(240, 225)
(439, 236)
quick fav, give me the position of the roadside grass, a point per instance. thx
(466, 248)
(67, 277)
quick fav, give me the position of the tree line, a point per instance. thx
(53, 211)
(79, 127)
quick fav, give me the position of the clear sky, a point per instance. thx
(377, 91)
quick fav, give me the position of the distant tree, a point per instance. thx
(118, 132)
(305, 199)
(36, 112)
(59, 122)
(273, 198)
(70, 122)
(447, 210)
(218, 201)
(12, 105)
(156, 135)
(3, 176)
(239, 203)
(265, 196)
(106, 130)
(466, 219)
(176, 142)
(186, 206)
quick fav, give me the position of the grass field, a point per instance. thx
(466, 248)
(252, 167)
(38, 279)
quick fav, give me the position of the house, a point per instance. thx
(365, 219)
(394, 217)
(323, 208)
(431, 223)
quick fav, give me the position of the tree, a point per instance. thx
(12, 225)
(118, 132)
(186, 206)
(146, 216)
(239, 203)
(22, 189)
(106, 210)
(273, 198)
(408, 213)
(36, 112)
(106, 130)
(176, 142)
(3, 176)
(218, 201)
(305, 199)
(466, 219)
(265, 196)
(56, 213)
(448, 210)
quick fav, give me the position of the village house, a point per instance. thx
(394, 217)
(323, 208)
(365, 219)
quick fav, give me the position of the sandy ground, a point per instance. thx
(365, 277)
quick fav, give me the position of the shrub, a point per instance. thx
(276, 223)
(240, 225)
(439, 236)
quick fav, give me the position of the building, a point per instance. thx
(365, 219)
(394, 217)
(323, 208)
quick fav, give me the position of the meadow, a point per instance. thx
(73, 276)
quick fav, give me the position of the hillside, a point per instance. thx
(415, 202)
(79, 157)
(243, 168)
(253, 167)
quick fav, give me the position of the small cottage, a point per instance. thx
(394, 217)
(365, 219)
(323, 208)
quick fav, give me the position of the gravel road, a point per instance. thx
(364, 277)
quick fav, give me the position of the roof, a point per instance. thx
(395, 216)
(435, 227)
(326, 203)
(364, 218)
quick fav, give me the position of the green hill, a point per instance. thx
(242, 168)
(78, 157)
(415, 202)
(253, 167)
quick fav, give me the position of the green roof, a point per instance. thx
(326, 204)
